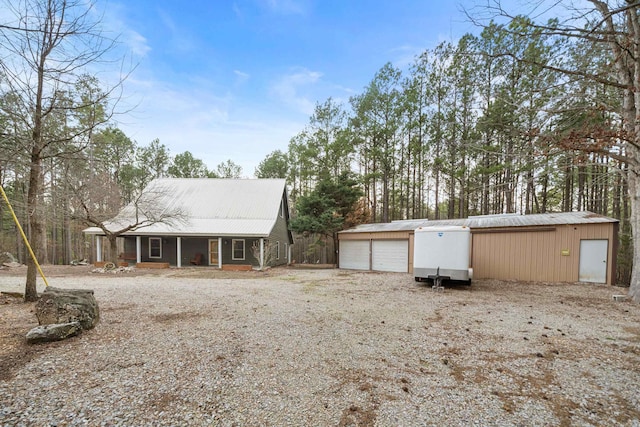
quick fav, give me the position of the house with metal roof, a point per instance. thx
(205, 221)
(549, 247)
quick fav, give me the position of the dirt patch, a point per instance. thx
(18, 318)
(187, 272)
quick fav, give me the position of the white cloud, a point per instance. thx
(213, 128)
(241, 76)
(136, 42)
(114, 23)
(287, 7)
(236, 9)
(287, 89)
(180, 39)
(404, 56)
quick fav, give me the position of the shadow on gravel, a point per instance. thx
(448, 285)
(14, 350)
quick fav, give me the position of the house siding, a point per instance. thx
(280, 233)
(192, 246)
(227, 251)
(168, 245)
(129, 246)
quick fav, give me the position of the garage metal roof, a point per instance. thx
(206, 207)
(407, 225)
(490, 221)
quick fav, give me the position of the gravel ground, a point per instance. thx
(324, 348)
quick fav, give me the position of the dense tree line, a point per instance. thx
(484, 126)
(108, 174)
(462, 133)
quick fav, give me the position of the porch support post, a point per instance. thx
(179, 251)
(220, 252)
(98, 248)
(138, 249)
(262, 253)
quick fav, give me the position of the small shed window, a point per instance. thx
(155, 247)
(282, 208)
(238, 249)
(277, 250)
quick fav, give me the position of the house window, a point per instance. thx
(155, 247)
(286, 252)
(282, 208)
(238, 249)
(277, 250)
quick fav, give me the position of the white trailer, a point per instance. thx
(442, 253)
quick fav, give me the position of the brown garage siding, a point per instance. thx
(535, 253)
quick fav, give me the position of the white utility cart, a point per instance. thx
(442, 253)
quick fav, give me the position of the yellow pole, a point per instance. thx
(24, 236)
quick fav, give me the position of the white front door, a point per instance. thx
(593, 261)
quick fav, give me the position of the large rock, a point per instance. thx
(7, 258)
(58, 305)
(55, 332)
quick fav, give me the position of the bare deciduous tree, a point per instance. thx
(267, 252)
(99, 208)
(605, 25)
(47, 47)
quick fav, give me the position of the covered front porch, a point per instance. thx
(180, 251)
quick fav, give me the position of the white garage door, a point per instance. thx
(390, 255)
(354, 254)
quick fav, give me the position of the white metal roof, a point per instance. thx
(206, 207)
(408, 225)
(489, 221)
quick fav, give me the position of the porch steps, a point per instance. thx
(152, 265)
(236, 267)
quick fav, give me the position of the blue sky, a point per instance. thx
(238, 79)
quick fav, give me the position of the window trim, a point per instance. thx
(282, 208)
(278, 250)
(159, 239)
(233, 249)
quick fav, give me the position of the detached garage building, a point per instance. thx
(560, 247)
(378, 247)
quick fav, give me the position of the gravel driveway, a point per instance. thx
(325, 348)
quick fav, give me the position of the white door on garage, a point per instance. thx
(593, 261)
(390, 255)
(354, 254)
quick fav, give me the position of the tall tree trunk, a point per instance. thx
(113, 248)
(634, 201)
(35, 223)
